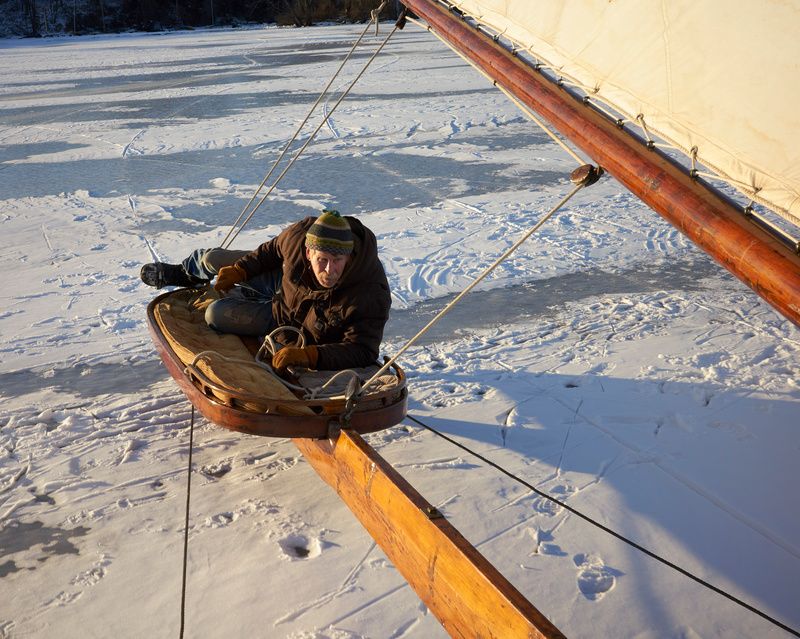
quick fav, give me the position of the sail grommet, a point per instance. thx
(586, 175)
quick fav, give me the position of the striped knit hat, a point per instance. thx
(330, 233)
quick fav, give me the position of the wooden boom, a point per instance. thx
(753, 255)
(465, 592)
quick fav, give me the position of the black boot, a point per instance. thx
(161, 274)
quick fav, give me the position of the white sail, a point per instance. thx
(717, 76)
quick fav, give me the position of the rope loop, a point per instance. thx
(693, 171)
(352, 393)
(271, 345)
(373, 15)
(650, 142)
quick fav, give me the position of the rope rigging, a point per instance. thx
(234, 231)
(584, 176)
(581, 177)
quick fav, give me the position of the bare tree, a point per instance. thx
(30, 9)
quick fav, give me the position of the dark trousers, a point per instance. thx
(247, 308)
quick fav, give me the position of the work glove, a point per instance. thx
(228, 276)
(204, 299)
(293, 356)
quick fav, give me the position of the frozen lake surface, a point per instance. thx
(609, 362)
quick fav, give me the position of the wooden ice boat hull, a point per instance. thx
(464, 591)
(384, 410)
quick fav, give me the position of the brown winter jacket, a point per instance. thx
(345, 322)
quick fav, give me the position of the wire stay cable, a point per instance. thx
(186, 525)
(608, 530)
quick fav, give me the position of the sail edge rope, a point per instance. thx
(744, 189)
(518, 103)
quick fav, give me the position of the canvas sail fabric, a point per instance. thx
(717, 75)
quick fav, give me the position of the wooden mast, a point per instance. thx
(460, 587)
(753, 255)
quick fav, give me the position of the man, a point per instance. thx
(322, 276)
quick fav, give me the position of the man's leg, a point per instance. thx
(204, 264)
(247, 309)
(200, 267)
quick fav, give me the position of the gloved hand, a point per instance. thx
(293, 356)
(228, 276)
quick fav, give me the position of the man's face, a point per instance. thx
(327, 267)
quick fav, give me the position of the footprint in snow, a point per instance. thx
(545, 506)
(63, 598)
(301, 547)
(220, 520)
(274, 467)
(595, 579)
(93, 576)
(543, 540)
(217, 470)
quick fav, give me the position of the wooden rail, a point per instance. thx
(460, 587)
(757, 258)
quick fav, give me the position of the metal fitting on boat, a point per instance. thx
(586, 175)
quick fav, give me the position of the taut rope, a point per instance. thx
(186, 525)
(582, 176)
(231, 234)
(303, 123)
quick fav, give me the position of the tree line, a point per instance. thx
(34, 18)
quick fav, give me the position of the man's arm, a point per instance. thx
(287, 245)
(265, 258)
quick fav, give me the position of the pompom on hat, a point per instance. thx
(330, 233)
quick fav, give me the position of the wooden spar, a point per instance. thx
(465, 592)
(757, 258)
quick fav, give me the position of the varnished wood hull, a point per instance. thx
(265, 424)
(463, 590)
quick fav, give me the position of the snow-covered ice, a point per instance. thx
(609, 362)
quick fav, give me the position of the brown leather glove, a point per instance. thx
(228, 276)
(293, 356)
